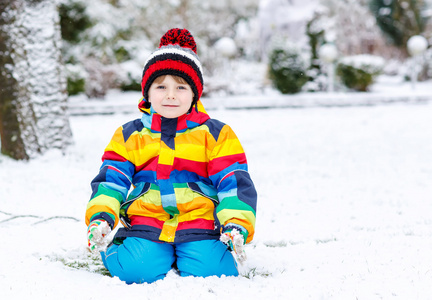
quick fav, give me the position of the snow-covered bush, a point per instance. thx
(287, 69)
(130, 78)
(318, 81)
(358, 72)
(420, 65)
(100, 78)
(316, 35)
(76, 78)
(428, 64)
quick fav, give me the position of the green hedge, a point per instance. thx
(360, 71)
(287, 70)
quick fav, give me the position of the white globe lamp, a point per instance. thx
(328, 53)
(416, 46)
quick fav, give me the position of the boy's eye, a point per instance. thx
(160, 87)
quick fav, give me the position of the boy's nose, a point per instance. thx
(171, 93)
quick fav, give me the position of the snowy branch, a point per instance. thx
(43, 219)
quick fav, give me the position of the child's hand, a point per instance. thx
(96, 234)
(234, 236)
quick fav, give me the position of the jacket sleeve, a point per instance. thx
(110, 187)
(236, 192)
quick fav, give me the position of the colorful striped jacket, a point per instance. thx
(189, 178)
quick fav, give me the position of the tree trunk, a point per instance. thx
(33, 97)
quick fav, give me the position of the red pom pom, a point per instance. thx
(181, 37)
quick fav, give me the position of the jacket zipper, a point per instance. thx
(204, 195)
(124, 219)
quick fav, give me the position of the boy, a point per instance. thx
(189, 175)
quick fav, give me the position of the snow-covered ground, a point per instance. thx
(344, 210)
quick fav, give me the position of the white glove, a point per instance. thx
(97, 233)
(234, 237)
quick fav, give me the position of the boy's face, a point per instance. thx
(169, 98)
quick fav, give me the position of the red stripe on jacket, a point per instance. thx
(149, 165)
(221, 163)
(199, 168)
(198, 223)
(111, 155)
(141, 220)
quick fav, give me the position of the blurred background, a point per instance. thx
(248, 46)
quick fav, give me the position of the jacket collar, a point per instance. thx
(153, 121)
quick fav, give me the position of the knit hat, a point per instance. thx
(176, 56)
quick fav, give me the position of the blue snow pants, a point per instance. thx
(139, 260)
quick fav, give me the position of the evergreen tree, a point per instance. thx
(400, 19)
(32, 85)
(316, 35)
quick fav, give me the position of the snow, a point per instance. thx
(369, 63)
(344, 208)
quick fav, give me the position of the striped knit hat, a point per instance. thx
(177, 56)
